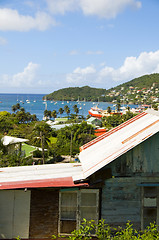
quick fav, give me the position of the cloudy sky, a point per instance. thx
(46, 45)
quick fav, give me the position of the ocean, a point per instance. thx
(34, 104)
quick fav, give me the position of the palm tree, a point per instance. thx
(17, 106)
(42, 131)
(118, 107)
(14, 108)
(76, 109)
(109, 109)
(67, 110)
(54, 114)
(61, 111)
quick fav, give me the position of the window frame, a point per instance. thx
(78, 209)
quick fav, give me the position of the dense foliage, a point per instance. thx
(104, 232)
(115, 120)
(77, 93)
(69, 139)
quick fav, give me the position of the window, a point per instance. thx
(150, 205)
(75, 205)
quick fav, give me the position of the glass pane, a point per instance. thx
(89, 213)
(88, 199)
(150, 215)
(68, 213)
(150, 192)
(67, 226)
(69, 199)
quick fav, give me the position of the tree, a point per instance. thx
(109, 109)
(14, 108)
(76, 109)
(47, 113)
(67, 110)
(61, 111)
(42, 131)
(54, 114)
(118, 107)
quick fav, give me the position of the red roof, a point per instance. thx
(56, 182)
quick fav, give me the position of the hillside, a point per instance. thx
(77, 93)
(139, 90)
(145, 81)
(142, 90)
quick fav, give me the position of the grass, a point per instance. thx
(28, 149)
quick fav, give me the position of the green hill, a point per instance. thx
(77, 93)
(145, 81)
(139, 90)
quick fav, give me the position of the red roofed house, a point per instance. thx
(117, 179)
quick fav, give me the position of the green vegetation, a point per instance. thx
(85, 93)
(28, 149)
(142, 90)
(115, 120)
(51, 144)
(104, 232)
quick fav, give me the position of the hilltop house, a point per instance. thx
(117, 179)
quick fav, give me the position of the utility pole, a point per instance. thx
(71, 147)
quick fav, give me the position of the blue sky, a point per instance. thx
(46, 45)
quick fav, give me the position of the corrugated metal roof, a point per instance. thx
(49, 175)
(109, 146)
(7, 140)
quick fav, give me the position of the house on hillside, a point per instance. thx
(117, 179)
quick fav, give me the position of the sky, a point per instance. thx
(46, 45)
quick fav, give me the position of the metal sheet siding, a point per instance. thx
(108, 148)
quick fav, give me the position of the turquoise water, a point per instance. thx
(35, 104)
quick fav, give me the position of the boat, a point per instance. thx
(95, 112)
(99, 113)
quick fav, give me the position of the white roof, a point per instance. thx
(39, 172)
(12, 140)
(109, 146)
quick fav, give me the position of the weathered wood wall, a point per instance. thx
(121, 201)
(143, 158)
(121, 194)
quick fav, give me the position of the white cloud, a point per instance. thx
(3, 41)
(107, 8)
(100, 8)
(145, 63)
(79, 75)
(26, 77)
(23, 79)
(62, 6)
(11, 20)
(73, 52)
(94, 52)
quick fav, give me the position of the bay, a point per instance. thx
(34, 104)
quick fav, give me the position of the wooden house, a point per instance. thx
(117, 179)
